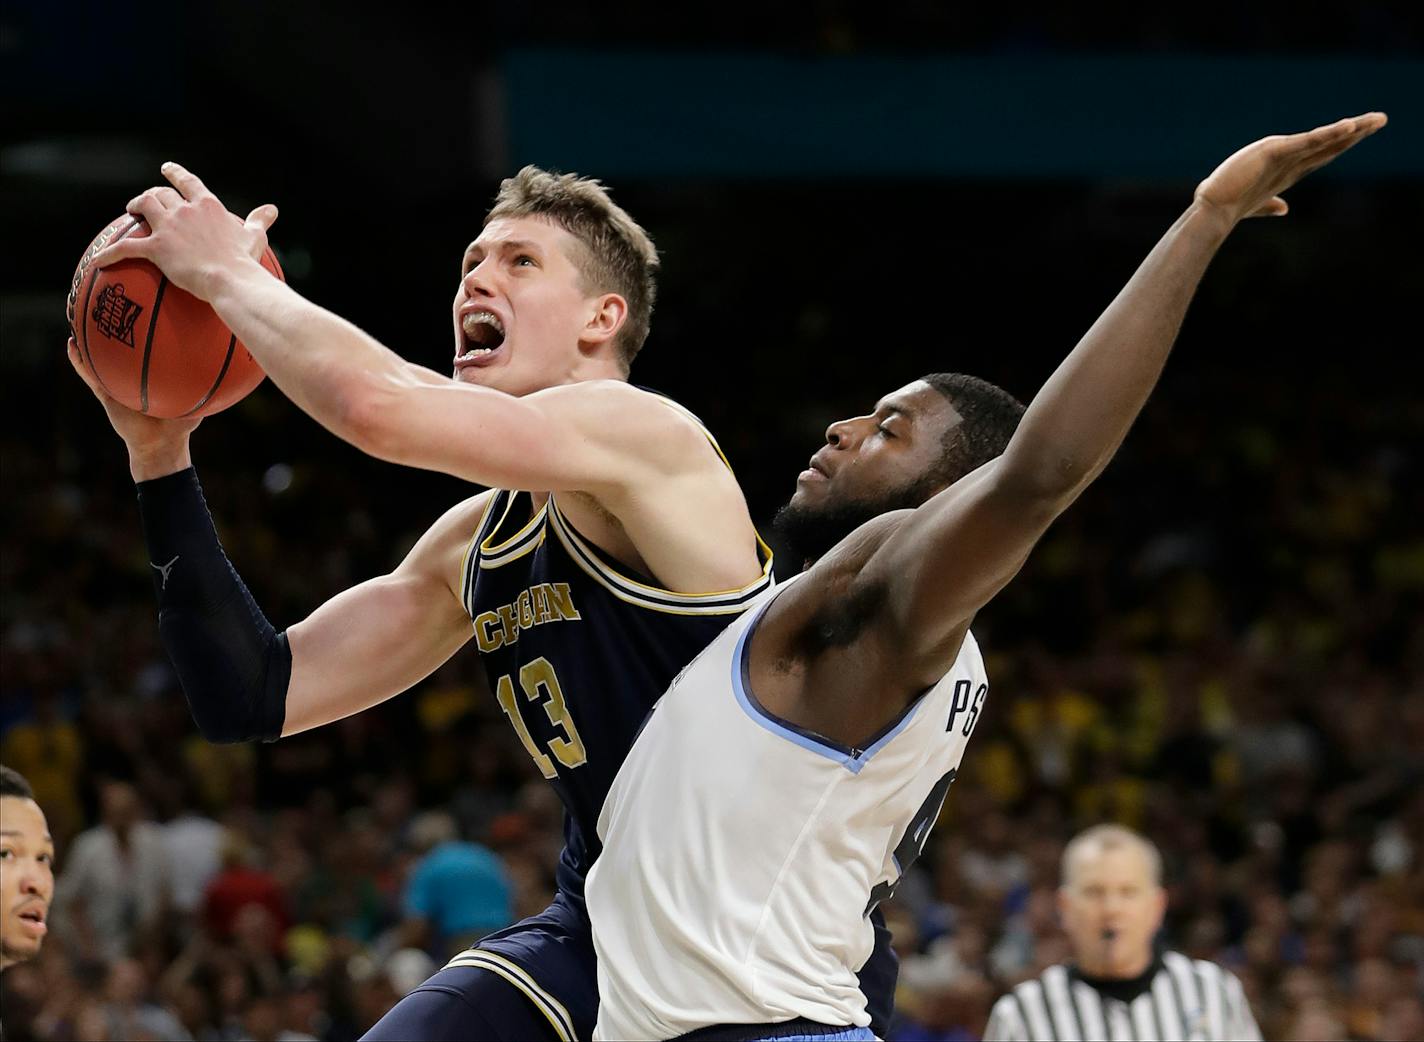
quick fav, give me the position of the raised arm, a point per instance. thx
(571, 438)
(950, 556)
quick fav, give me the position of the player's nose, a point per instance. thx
(844, 434)
(477, 281)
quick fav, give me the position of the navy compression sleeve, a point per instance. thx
(234, 667)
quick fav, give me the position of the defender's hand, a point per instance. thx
(194, 240)
(156, 447)
(1250, 183)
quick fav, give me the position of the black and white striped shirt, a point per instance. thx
(1178, 998)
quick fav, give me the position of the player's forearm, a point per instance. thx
(1080, 416)
(325, 364)
(232, 663)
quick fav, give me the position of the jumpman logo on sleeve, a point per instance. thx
(164, 569)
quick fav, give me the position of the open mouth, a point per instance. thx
(482, 336)
(35, 917)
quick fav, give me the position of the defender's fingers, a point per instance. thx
(263, 217)
(1340, 135)
(1316, 158)
(1273, 207)
(189, 185)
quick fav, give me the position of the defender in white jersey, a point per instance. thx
(793, 770)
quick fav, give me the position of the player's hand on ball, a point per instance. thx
(194, 240)
(156, 447)
(1250, 182)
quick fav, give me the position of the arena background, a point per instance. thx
(1222, 644)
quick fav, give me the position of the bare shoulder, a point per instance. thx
(627, 418)
(440, 550)
(463, 516)
(818, 657)
(832, 585)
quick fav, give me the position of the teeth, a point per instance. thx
(475, 319)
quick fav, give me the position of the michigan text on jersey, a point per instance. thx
(541, 603)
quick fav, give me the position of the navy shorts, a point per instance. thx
(534, 980)
(538, 980)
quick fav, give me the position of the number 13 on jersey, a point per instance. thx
(541, 684)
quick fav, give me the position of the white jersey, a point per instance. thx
(742, 855)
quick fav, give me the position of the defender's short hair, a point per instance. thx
(12, 783)
(989, 416)
(618, 255)
(1101, 838)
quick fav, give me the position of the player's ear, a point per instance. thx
(609, 313)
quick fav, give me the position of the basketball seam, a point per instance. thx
(148, 344)
(83, 329)
(231, 348)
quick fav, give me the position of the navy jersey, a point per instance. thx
(577, 649)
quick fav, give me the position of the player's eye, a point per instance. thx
(48, 859)
(522, 260)
(885, 432)
(6, 855)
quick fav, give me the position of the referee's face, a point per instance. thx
(1111, 909)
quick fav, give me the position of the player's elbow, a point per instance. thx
(369, 417)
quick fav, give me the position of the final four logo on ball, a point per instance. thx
(114, 314)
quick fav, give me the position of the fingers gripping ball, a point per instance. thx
(154, 347)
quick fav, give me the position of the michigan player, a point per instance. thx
(790, 776)
(614, 545)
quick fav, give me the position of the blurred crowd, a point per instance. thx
(1221, 645)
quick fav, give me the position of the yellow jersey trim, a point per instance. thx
(529, 536)
(720, 602)
(515, 974)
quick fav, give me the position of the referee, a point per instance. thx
(1119, 987)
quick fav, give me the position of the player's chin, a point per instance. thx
(815, 490)
(478, 376)
(19, 947)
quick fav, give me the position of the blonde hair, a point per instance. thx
(1101, 838)
(618, 256)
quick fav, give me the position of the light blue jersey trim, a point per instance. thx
(884, 739)
(852, 760)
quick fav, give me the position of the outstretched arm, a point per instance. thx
(953, 554)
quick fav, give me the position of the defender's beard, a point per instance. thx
(811, 531)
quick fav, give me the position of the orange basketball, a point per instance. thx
(156, 348)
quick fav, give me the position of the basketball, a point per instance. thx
(154, 347)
